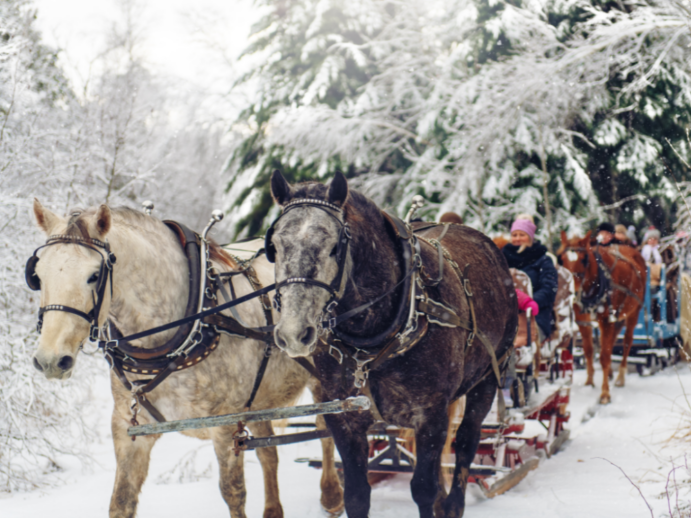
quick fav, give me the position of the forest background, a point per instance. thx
(576, 111)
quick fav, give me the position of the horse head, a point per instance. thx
(69, 276)
(309, 243)
(574, 256)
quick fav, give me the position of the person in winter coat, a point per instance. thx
(607, 235)
(621, 234)
(651, 247)
(530, 256)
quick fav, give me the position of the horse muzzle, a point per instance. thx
(54, 367)
(296, 341)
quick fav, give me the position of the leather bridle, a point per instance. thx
(105, 274)
(344, 237)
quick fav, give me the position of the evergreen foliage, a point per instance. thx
(485, 107)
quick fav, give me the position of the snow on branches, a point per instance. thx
(487, 108)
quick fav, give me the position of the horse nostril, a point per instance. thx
(280, 342)
(308, 335)
(38, 366)
(66, 363)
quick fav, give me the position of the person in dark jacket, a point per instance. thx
(526, 254)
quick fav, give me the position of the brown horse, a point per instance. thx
(610, 282)
(337, 254)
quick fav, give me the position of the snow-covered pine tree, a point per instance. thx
(489, 108)
(340, 86)
(642, 47)
(418, 119)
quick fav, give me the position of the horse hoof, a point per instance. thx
(619, 383)
(605, 400)
(273, 512)
(590, 384)
(334, 512)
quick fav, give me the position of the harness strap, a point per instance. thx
(196, 316)
(472, 327)
(305, 364)
(143, 401)
(442, 253)
(260, 375)
(367, 391)
(229, 325)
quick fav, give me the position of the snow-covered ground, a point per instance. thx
(633, 432)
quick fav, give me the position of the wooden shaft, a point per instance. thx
(330, 407)
(279, 440)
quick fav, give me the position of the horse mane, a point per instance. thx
(77, 226)
(357, 207)
(217, 254)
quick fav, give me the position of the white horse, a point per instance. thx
(150, 288)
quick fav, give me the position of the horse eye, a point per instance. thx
(335, 249)
(93, 278)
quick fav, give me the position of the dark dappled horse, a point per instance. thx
(610, 284)
(335, 251)
(149, 286)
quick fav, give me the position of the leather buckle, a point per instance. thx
(339, 359)
(94, 333)
(111, 345)
(471, 337)
(466, 287)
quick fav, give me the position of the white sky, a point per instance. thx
(171, 46)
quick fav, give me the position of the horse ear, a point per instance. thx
(45, 219)
(564, 239)
(280, 188)
(586, 238)
(102, 221)
(338, 189)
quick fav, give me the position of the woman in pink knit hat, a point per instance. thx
(529, 255)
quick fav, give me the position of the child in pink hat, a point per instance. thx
(527, 254)
(526, 226)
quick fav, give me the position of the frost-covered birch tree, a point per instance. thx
(39, 421)
(121, 140)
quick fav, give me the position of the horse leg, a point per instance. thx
(478, 403)
(268, 458)
(350, 435)
(132, 458)
(332, 493)
(430, 436)
(606, 346)
(631, 322)
(589, 353)
(231, 471)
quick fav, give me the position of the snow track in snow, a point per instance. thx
(632, 432)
